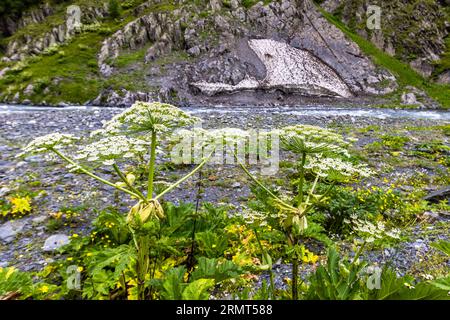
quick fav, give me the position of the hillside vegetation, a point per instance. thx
(68, 72)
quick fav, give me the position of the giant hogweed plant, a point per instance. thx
(323, 156)
(138, 132)
(321, 153)
(135, 134)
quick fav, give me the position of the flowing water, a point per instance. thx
(377, 113)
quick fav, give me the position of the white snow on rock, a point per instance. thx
(288, 69)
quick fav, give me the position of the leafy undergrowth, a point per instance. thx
(321, 216)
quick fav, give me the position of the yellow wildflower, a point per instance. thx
(20, 205)
(43, 289)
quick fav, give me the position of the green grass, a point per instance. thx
(444, 63)
(405, 74)
(71, 74)
(250, 3)
(127, 58)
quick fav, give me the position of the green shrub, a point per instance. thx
(114, 9)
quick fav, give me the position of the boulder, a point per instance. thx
(409, 98)
(10, 229)
(444, 77)
(439, 195)
(215, 5)
(55, 242)
(29, 90)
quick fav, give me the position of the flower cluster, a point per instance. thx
(108, 149)
(254, 217)
(324, 166)
(145, 117)
(312, 140)
(49, 141)
(248, 141)
(371, 231)
(316, 134)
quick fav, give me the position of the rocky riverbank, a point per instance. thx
(28, 243)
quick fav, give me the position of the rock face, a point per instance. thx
(287, 69)
(124, 98)
(286, 46)
(444, 77)
(414, 31)
(9, 25)
(217, 49)
(21, 47)
(158, 28)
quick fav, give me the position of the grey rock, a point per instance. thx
(215, 5)
(194, 51)
(422, 66)
(4, 191)
(55, 242)
(10, 229)
(16, 98)
(409, 98)
(39, 219)
(444, 77)
(438, 195)
(62, 104)
(3, 71)
(158, 49)
(430, 216)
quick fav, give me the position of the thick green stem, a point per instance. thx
(313, 188)
(151, 169)
(318, 200)
(142, 265)
(358, 253)
(262, 186)
(295, 278)
(92, 175)
(173, 186)
(302, 179)
(125, 180)
(255, 180)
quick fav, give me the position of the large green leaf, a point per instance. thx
(443, 246)
(442, 283)
(198, 289)
(173, 285)
(215, 269)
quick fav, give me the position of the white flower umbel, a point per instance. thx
(323, 166)
(312, 139)
(370, 231)
(147, 117)
(112, 148)
(49, 141)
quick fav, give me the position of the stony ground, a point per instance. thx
(22, 240)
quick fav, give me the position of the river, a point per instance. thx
(377, 113)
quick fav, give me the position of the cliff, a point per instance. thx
(209, 52)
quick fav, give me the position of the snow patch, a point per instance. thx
(288, 69)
